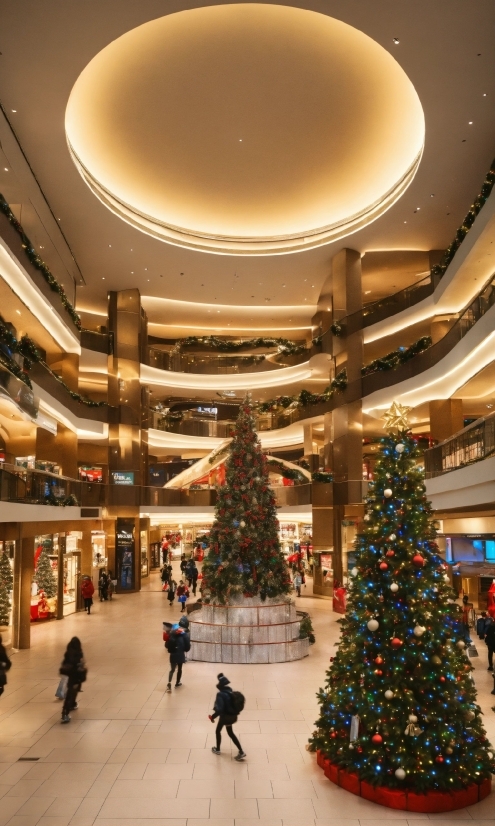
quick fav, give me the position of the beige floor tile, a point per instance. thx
(292, 788)
(148, 755)
(54, 820)
(220, 769)
(297, 808)
(10, 806)
(132, 771)
(145, 789)
(166, 771)
(154, 808)
(253, 788)
(64, 806)
(174, 821)
(270, 771)
(223, 787)
(225, 808)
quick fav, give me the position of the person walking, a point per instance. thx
(165, 577)
(297, 580)
(172, 588)
(194, 579)
(103, 586)
(182, 595)
(5, 666)
(111, 585)
(490, 644)
(177, 645)
(227, 712)
(74, 668)
(87, 591)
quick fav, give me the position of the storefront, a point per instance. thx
(7, 550)
(471, 558)
(55, 591)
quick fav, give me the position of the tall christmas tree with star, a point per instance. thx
(245, 558)
(399, 706)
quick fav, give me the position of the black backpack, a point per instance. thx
(237, 701)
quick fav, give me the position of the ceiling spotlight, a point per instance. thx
(484, 94)
(240, 140)
(396, 40)
(6, 168)
(367, 292)
(18, 312)
(405, 222)
(14, 111)
(489, 406)
(470, 122)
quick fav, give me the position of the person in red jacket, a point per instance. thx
(87, 591)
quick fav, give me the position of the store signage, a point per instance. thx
(123, 477)
(125, 550)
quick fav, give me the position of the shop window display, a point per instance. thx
(44, 587)
(6, 587)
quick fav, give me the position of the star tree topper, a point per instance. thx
(397, 417)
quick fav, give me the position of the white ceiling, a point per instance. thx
(445, 48)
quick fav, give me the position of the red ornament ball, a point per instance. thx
(383, 566)
(442, 679)
(333, 735)
(418, 560)
(390, 552)
(396, 642)
(378, 672)
(439, 759)
(378, 660)
(377, 739)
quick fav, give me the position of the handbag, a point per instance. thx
(182, 598)
(82, 672)
(61, 691)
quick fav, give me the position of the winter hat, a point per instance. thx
(184, 622)
(222, 681)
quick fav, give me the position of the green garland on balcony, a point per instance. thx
(38, 262)
(285, 345)
(26, 348)
(397, 357)
(474, 210)
(322, 476)
(287, 472)
(305, 398)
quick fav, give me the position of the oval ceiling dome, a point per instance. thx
(245, 128)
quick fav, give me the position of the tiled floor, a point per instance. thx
(134, 756)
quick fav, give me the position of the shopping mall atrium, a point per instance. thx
(206, 208)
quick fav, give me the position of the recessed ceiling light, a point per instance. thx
(432, 195)
(367, 292)
(405, 222)
(132, 272)
(417, 209)
(240, 140)
(102, 277)
(470, 122)
(484, 94)
(6, 168)
(14, 111)
(396, 40)
(18, 312)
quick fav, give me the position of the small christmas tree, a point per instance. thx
(44, 577)
(399, 706)
(6, 585)
(244, 556)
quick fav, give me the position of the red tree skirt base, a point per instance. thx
(432, 801)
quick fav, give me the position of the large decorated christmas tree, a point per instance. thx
(44, 576)
(245, 558)
(6, 584)
(399, 705)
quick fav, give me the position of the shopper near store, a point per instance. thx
(177, 645)
(103, 586)
(482, 624)
(74, 669)
(183, 564)
(490, 644)
(297, 581)
(194, 578)
(87, 591)
(228, 705)
(182, 595)
(165, 577)
(111, 585)
(172, 588)
(5, 666)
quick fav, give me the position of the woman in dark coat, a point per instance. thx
(177, 645)
(73, 667)
(4, 666)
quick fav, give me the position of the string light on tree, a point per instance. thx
(401, 668)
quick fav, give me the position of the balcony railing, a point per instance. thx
(390, 305)
(472, 444)
(222, 365)
(36, 487)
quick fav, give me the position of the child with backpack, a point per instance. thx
(177, 645)
(228, 705)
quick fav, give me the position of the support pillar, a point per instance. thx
(23, 579)
(446, 418)
(128, 432)
(60, 448)
(86, 554)
(310, 456)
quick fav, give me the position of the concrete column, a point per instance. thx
(128, 442)
(311, 457)
(86, 554)
(60, 448)
(23, 578)
(446, 418)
